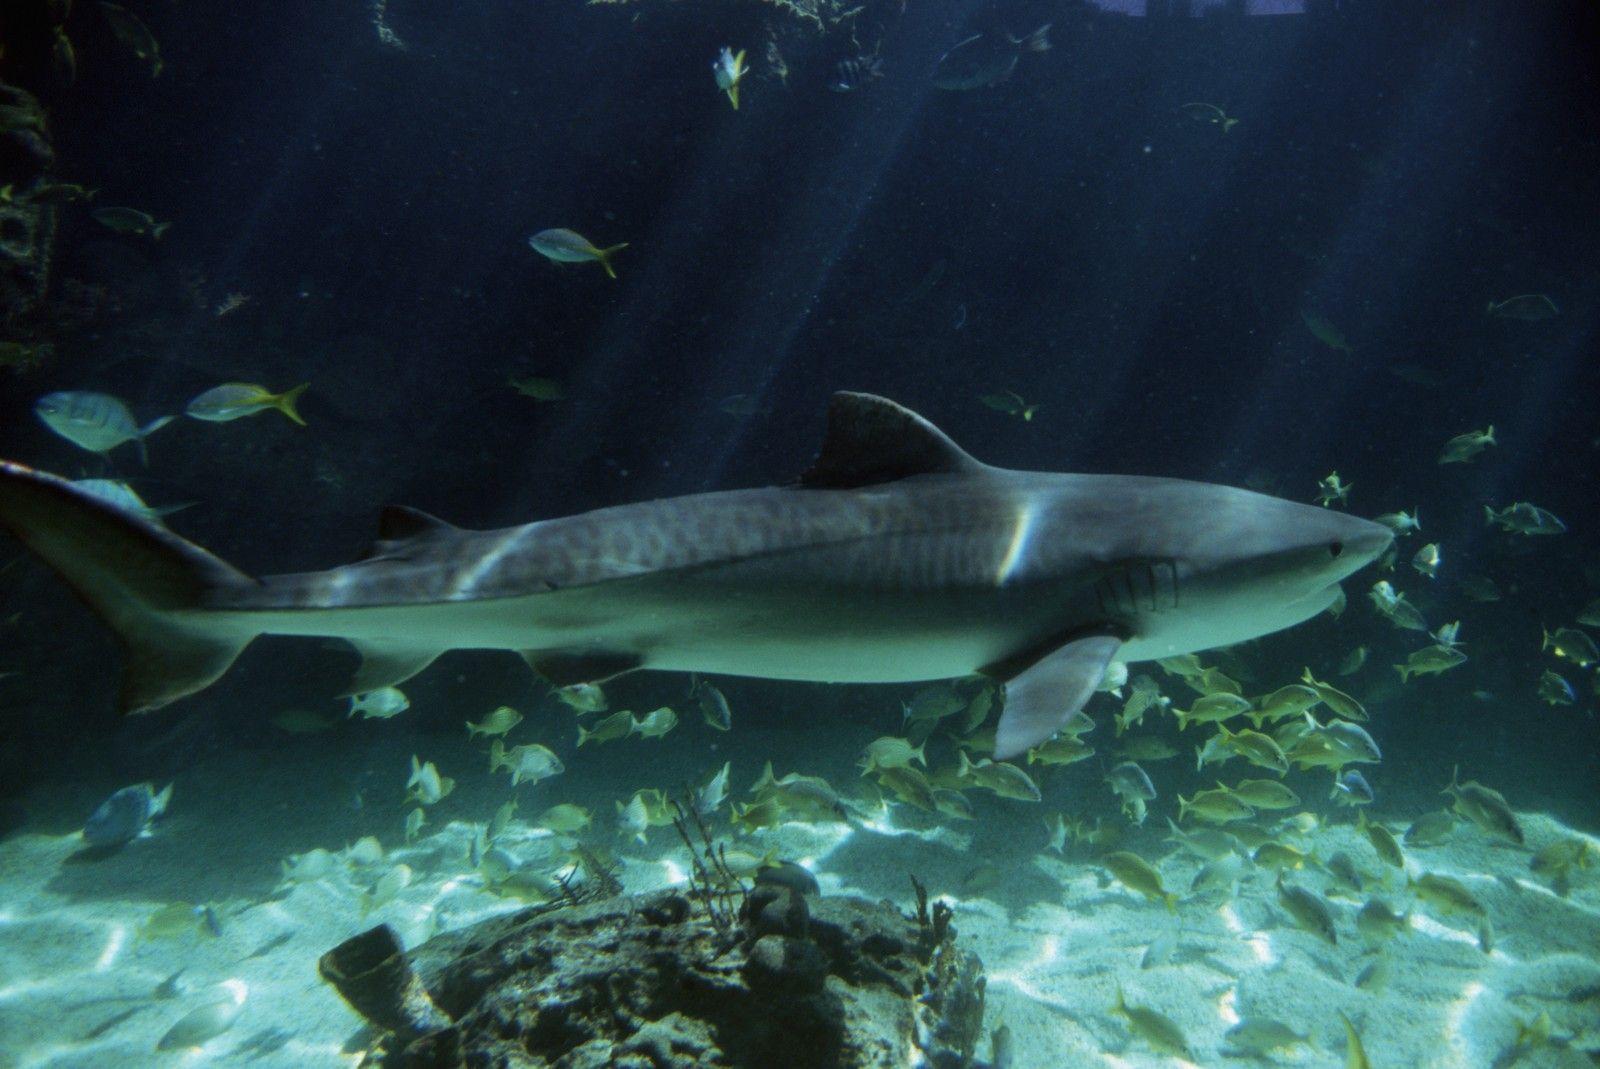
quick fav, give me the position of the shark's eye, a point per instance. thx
(1335, 548)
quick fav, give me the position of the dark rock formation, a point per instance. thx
(27, 230)
(653, 981)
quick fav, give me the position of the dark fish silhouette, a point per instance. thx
(987, 59)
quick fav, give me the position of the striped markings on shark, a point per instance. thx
(896, 557)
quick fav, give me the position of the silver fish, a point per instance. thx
(97, 422)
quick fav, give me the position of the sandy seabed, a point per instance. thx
(1058, 935)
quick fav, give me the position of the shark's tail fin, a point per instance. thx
(140, 577)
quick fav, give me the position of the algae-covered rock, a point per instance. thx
(27, 229)
(657, 981)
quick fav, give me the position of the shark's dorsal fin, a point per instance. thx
(398, 523)
(872, 440)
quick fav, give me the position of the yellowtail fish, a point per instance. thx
(1325, 332)
(1214, 807)
(565, 818)
(1446, 894)
(1154, 1027)
(714, 707)
(1355, 1055)
(235, 400)
(1402, 522)
(1309, 911)
(987, 59)
(1137, 874)
(582, 698)
(1555, 690)
(618, 725)
(1383, 841)
(1430, 829)
(1573, 645)
(1209, 113)
(1485, 807)
(1427, 560)
(1463, 447)
(655, 723)
(498, 722)
(379, 704)
(729, 69)
(1430, 661)
(426, 786)
(57, 193)
(1011, 404)
(1263, 794)
(1524, 519)
(890, 752)
(540, 389)
(132, 32)
(1526, 306)
(1260, 1036)
(569, 247)
(1334, 698)
(130, 221)
(527, 764)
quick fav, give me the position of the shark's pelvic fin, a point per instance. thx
(872, 440)
(562, 668)
(1042, 697)
(385, 664)
(139, 576)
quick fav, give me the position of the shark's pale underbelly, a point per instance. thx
(802, 633)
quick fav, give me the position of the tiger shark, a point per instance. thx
(896, 557)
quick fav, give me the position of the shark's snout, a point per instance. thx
(1357, 543)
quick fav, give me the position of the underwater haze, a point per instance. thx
(1129, 468)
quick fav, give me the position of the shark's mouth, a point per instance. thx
(1318, 600)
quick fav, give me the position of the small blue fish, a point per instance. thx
(1555, 690)
(121, 818)
(1352, 788)
(125, 497)
(97, 422)
(854, 72)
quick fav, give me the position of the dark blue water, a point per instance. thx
(1071, 234)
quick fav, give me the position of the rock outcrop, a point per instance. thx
(779, 977)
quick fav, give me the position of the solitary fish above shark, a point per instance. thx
(896, 557)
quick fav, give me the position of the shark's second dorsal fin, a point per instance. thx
(871, 440)
(402, 530)
(398, 523)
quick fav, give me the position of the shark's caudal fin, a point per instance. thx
(140, 577)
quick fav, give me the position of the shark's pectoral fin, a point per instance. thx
(386, 665)
(1043, 696)
(563, 668)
